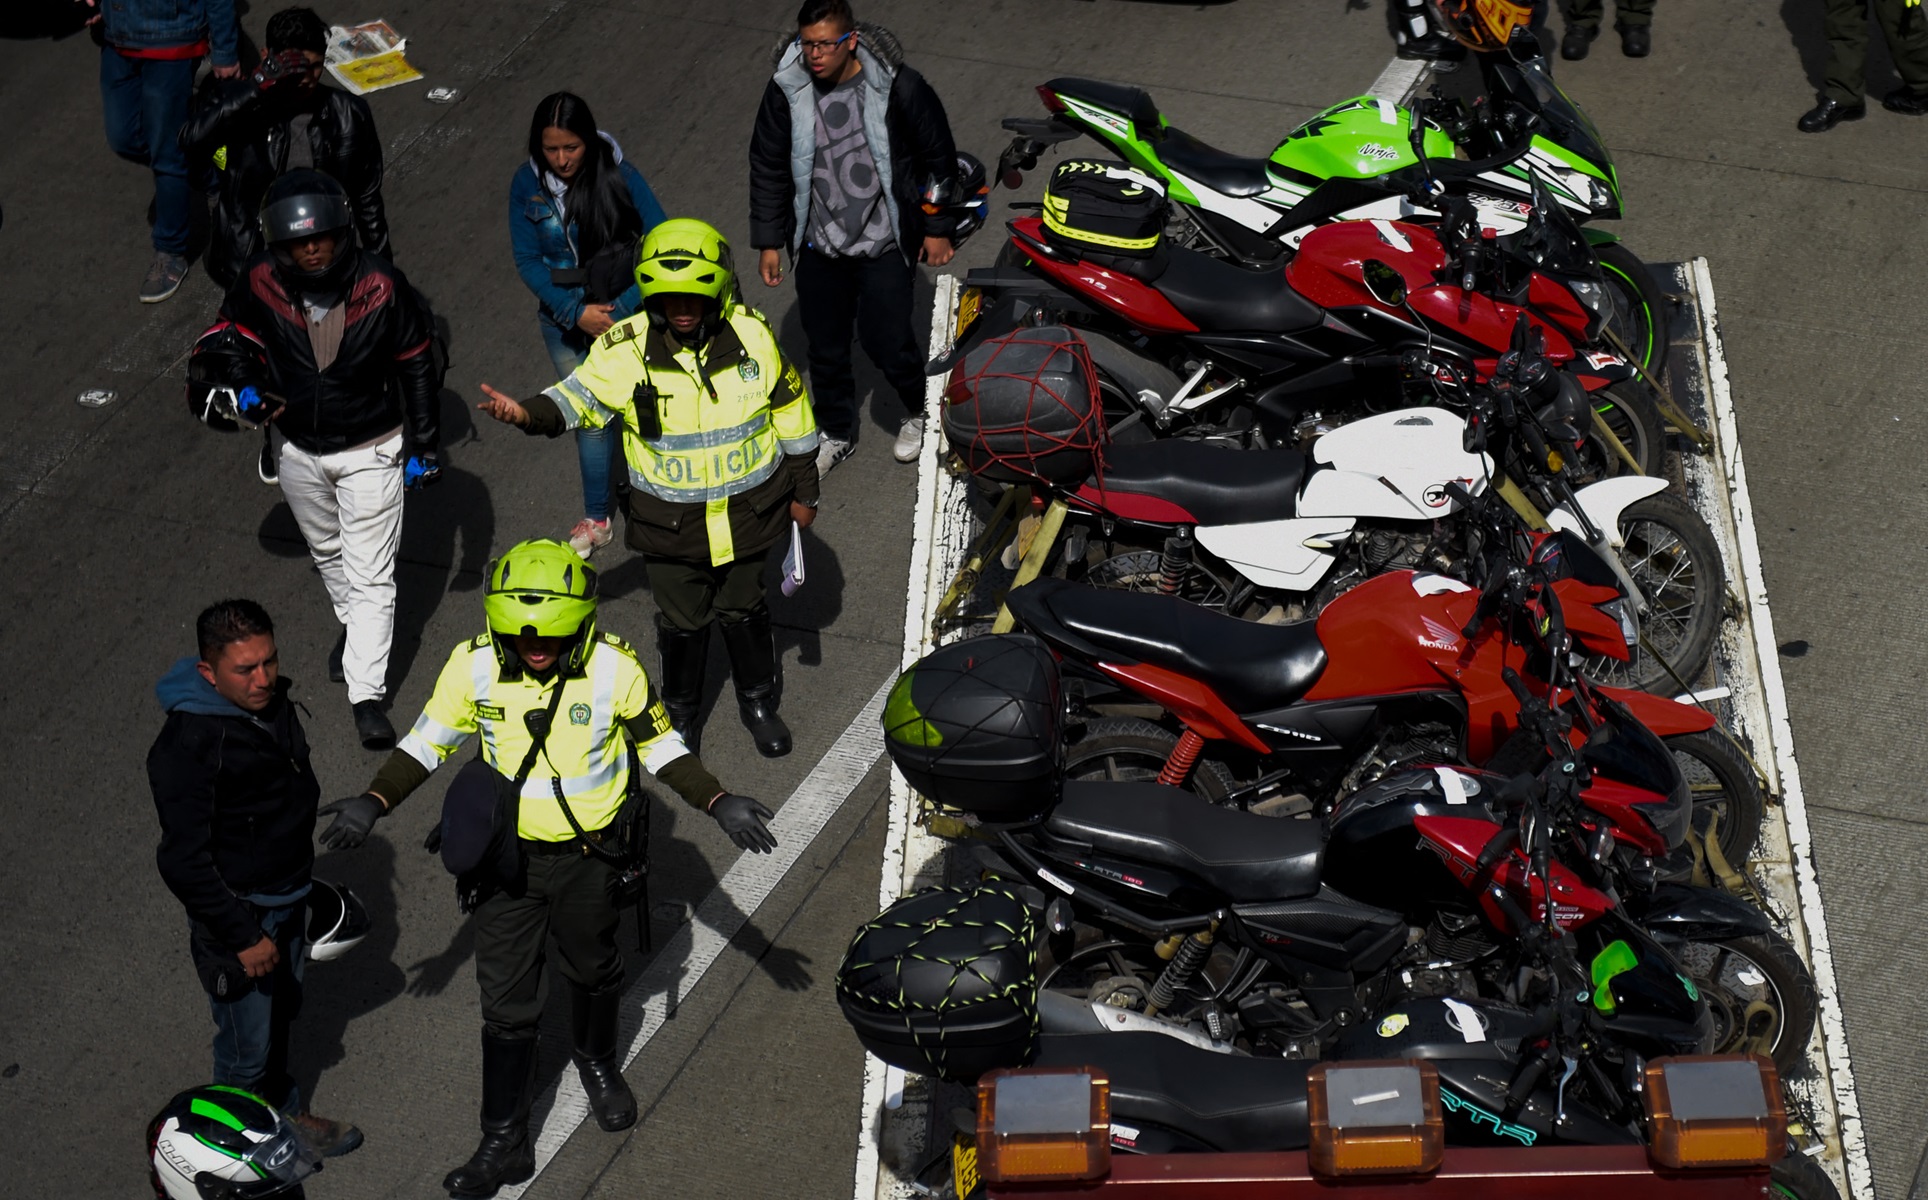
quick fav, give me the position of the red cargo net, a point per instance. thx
(1024, 407)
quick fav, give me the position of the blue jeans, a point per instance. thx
(251, 1030)
(596, 449)
(144, 102)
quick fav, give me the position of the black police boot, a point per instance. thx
(506, 1155)
(753, 668)
(594, 1016)
(686, 656)
(1578, 40)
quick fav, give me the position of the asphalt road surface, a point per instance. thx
(117, 524)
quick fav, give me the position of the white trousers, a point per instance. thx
(349, 507)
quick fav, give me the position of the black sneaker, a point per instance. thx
(330, 1139)
(1576, 43)
(371, 725)
(269, 468)
(163, 278)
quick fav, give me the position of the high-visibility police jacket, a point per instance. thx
(603, 710)
(723, 430)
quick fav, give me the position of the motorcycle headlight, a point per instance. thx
(1591, 294)
(1622, 612)
(1599, 196)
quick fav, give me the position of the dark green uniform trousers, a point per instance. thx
(692, 594)
(1587, 13)
(565, 896)
(1847, 30)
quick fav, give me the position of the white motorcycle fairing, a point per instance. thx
(1393, 466)
(1275, 554)
(1603, 502)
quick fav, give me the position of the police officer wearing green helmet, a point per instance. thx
(561, 708)
(721, 445)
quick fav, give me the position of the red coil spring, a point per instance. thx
(1179, 765)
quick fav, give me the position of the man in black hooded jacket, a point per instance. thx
(280, 118)
(237, 803)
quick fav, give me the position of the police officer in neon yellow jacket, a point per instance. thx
(543, 663)
(721, 445)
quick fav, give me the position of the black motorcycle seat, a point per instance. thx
(1216, 484)
(1246, 857)
(1252, 667)
(1223, 297)
(1230, 1102)
(1228, 174)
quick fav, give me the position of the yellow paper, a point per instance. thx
(373, 74)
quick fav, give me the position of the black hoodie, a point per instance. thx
(237, 800)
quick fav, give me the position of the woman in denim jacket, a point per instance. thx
(576, 213)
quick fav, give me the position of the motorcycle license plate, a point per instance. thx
(964, 1167)
(967, 309)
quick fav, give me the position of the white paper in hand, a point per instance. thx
(793, 562)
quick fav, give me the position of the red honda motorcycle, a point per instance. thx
(1407, 667)
(1198, 346)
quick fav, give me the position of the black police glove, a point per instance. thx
(354, 817)
(742, 818)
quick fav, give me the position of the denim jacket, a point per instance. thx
(163, 24)
(536, 232)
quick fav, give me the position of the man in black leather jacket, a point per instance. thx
(338, 325)
(280, 118)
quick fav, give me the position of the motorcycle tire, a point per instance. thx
(1124, 379)
(1798, 1177)
(1132, 750)
(1640, 308)
(1673, 558)
(1635, 419)
(1722, 781)
(1736, 973)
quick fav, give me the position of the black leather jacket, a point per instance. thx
(253, 126)
(387, 337)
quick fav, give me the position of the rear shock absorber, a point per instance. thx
(1184, 755)
(1179, 971)
(1175, 563)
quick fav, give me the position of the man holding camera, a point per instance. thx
(540, 830)
(280, 118)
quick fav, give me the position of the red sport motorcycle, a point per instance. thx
(1190, 345)
(1406, 667)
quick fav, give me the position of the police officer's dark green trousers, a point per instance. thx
(1906, 32)
(690, 594)
(1587, 13)
(565, 896)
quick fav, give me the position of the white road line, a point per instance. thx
(1780, 735)
(681, 964)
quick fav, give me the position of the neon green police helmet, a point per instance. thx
(687, 256)
(542, 588)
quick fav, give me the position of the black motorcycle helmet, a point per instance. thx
(301, 204)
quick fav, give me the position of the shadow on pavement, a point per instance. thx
(363, 980)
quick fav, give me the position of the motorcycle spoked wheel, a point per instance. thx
(1675, 562)
(1722, 782)
(1639, 306)
(1636, 421)
(1132, 750)
(1759, 992)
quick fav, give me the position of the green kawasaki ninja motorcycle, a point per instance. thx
(1339, 166)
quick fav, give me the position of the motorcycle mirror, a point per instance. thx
(1385, 283)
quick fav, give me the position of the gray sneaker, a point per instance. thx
(163, 278)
